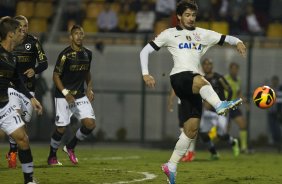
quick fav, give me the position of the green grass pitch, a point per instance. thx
(118, 165)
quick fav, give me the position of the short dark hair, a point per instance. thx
(206, 60)
(7, 24)
(233, 64)
(183, 5)
(74, 27)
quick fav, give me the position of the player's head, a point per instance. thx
(23, 23)
(186, 11)
(10, 30)
(77, 35)
(207, 65)
(234, 69)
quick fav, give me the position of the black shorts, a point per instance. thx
(235, 113)
(191, 104)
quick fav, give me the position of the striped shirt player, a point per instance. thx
(10, 120)
(71, 71)
(29, 54)
(187, 44)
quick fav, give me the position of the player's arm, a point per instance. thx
(236, 42)
(144, 59)
(89, 89)
(58, 70)
(226, 87)
(154, 45)
(171, 97)
(41, 60)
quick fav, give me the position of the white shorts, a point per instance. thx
(22, 103)
(81, 109)
(210, 119)
(10, 120)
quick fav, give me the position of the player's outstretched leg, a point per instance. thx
(203, 87)
(11, 156)
(81, 134)
(54, 145)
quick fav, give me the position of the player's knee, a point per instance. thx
(205, 136)
(61, 130)
(191, 129)
(89, 123)
(22, 141)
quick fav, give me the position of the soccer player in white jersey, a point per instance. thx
(187, 44)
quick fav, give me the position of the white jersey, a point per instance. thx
(187, 46)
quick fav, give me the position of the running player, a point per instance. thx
(235, 82)
(71, 71)
(10, 120)
(210, 118)
(28, 53)
(187, 44)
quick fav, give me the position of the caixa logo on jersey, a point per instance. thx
(27, 46)
(190, 45)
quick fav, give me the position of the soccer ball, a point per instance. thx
(264, 97)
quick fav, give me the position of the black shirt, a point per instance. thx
(9, 76)
(73, 67)
(28, 53)
(217, 86)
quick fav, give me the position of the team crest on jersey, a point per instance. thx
(27, 46)
(197, 37)
(188, 38)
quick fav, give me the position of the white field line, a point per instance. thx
(147, 176)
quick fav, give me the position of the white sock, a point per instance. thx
(180, 149)
(192, 145)
(208, 94)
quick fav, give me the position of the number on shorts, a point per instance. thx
(17, 119)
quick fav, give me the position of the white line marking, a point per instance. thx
(147, 176)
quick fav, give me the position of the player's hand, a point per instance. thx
(170, 106)
(29, 73)
(90, 94)
(36, 106)
(149, 81)
(242, 49)
(70, 99)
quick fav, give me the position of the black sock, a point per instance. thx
(55, 143)
(80, 135)
(25, 158)
(13, 147)
(72, 143)
(213, 150)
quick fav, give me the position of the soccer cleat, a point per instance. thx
(71, 155)
(227, 105)
(170, 175)
(189, 157)
(214, 157)
(12, 160)
(53, 161)
(235, 148)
